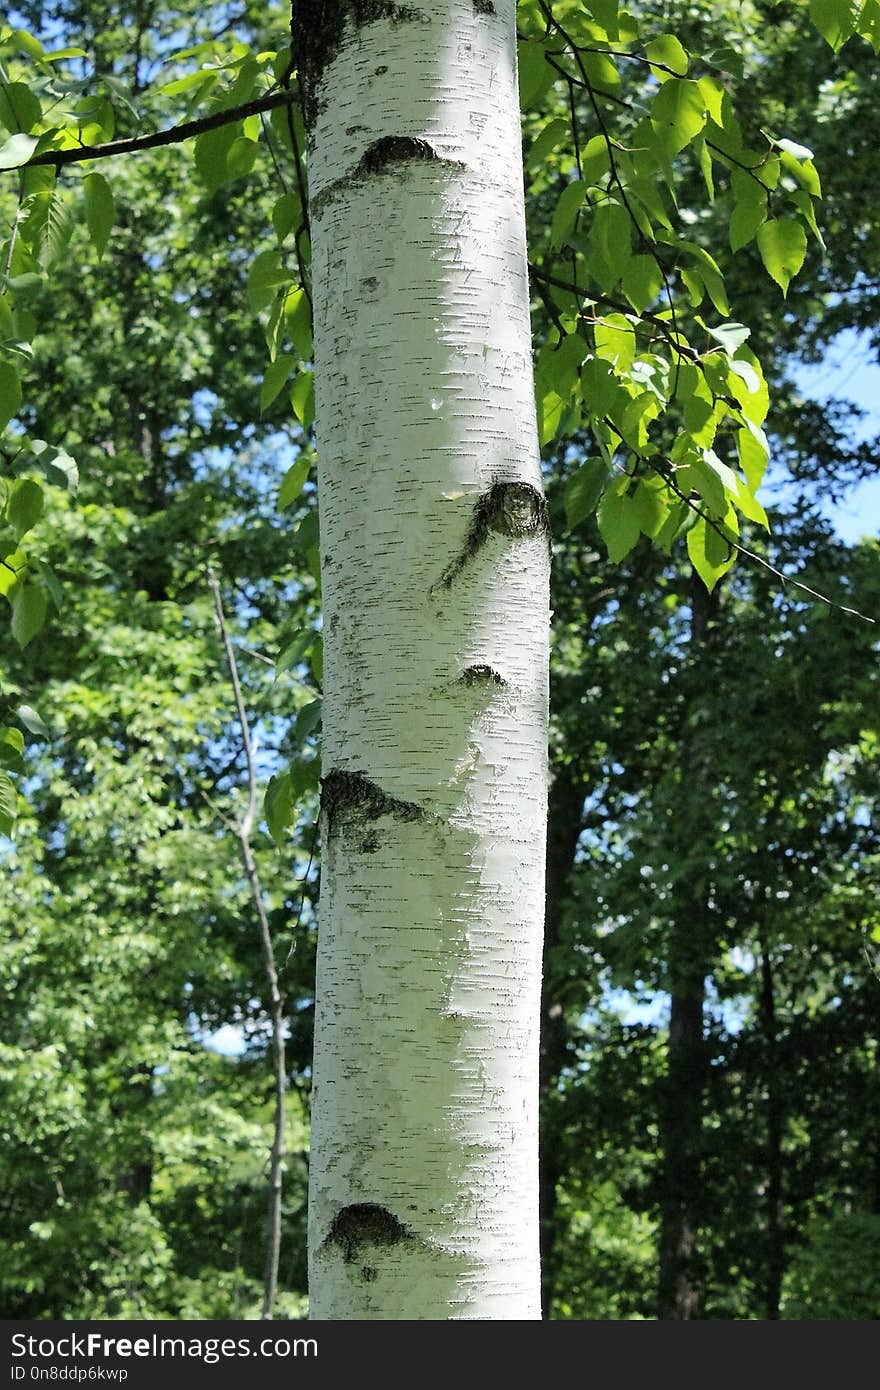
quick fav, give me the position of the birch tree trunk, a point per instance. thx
(435, 563)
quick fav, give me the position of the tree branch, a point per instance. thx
(243, 832)
(644, 314)
(740, 549)
(175, 136)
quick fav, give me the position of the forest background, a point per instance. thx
(714, 758)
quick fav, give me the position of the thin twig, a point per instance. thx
(13, 235)
(616, 179)
(304, 228)
(303, 884)
(173, 136)
(644, 314)
(243, 832)
(751, 554)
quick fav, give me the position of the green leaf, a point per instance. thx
(753, 396)
(10, 393)
(241, 157)
(744, 370)
(305, 776)
(307, 721)
(535, 73)
(697, 404)
(618, 521)
(714, 92)
(302, 398)
(605, 13)
(277, 805)
(642, 281)
(11, 749)
(559, 363)
(202, 77)
(615, 341)
(667, 50)
(25, 506)
(553, 134)
(316, 660)
(836, 20)
(804, 204)
(798, 152)
(100, 210)
(749, 212)
(14, 565)
(29, 605)
(610, 242)
(601, 70)
(565, 214)
(650, 506)
(274, 326)
(550, 407)
(709, 552)
(56, 463)
(306, 535)
(705, 157)
(753, 456)
(50, 227)
(286, 215)
(731, 336)
(27, 280)
(32, 721)
(298, 319)
(595, 162)
(633, 422)
(679, 514)
(17, 151)
(679, 113)
(295, 651)
(582, 492)
(275, 376)
(210, 152)
(726, 59)
(803, 170)
(60, 55)
(8, 804)
(26, 43)
(869, 23)
(729, 481)
(14, 739)
(120, 95)
(50, 580)
(264, 277)
(293, 482)
(601, 391)
(20, 110)
(710, 272)
(693, 283)
(749, 505)
(782, 243)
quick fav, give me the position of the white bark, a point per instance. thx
(435, 564)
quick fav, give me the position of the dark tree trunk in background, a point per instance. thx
(681, 1105)
(681, 1129)
(564, 825)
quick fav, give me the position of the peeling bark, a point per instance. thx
(319, 32)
